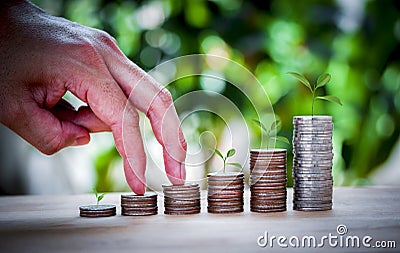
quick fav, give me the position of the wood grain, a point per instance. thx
(52, 224)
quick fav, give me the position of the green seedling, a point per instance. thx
(271, 133)
(99, 197)
(321, 82)
(230, 153)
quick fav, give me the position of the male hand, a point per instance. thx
(43, 56)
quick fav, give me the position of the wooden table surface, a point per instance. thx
(52, 224)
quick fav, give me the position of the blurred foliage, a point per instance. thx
(356, 41)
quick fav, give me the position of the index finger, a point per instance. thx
(156, 102)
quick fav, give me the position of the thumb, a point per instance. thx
(46, 132)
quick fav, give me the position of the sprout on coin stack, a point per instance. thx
(312, 150)
(96, 211)
(225, 189)
(268, 173)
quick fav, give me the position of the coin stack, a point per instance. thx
(181, 199)
(312, 163)
(225, 192)
(139, 205)
(268, 180)
(96, 211)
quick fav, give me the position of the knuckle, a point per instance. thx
(88, 52)
(165, 97)
(132, 113)
(50, 145)
(105, 38)
(161, 103)
(183, 145)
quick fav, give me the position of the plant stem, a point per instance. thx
(312, 104)
(224, 164)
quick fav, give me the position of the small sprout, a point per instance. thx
(99, 197)
(321, 82)
(271, 133)
(230, 153)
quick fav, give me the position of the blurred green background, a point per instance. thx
(357, 41)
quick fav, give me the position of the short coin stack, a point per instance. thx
(225, 192)
(96, 211)
(268, 180)
(139, 205)
(181, 199)
(312, 163)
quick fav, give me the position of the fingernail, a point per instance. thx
(139, 188)
(80, 141)
(183, 172)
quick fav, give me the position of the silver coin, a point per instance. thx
(268, 195)
(312, 203)
(302, 190)
(312, 136)
(268, 173)
(312, 165)
(303, 198)
(314, 129)
(267, 162)
(268, 151)
(312, 147)
(180, 187)
(138, 213)
(273, 210)
(266, 177)
(138, 204)
(182, 212)
(238, 209)
(315, 160)
(218, 175)
(147, 195)
(315, 184)
(313, 176)
(298, 178)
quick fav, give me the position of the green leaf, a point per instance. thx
(216, 151)
(330, 99)
(261, 125)
(230, 152)
(282, 139)
(276, 125)
(323, 80)
(95, 192)
(238, 165)
(99, 198)
(302, 79)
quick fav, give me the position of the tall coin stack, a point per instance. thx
(139, 205)
(312, 163)
(268, 180)
(181, 199)
(225, 192)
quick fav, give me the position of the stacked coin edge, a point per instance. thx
(182, 199)
(225, 193)
(97, 211)
(312, 163)
(139, 205)
(268, 180)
